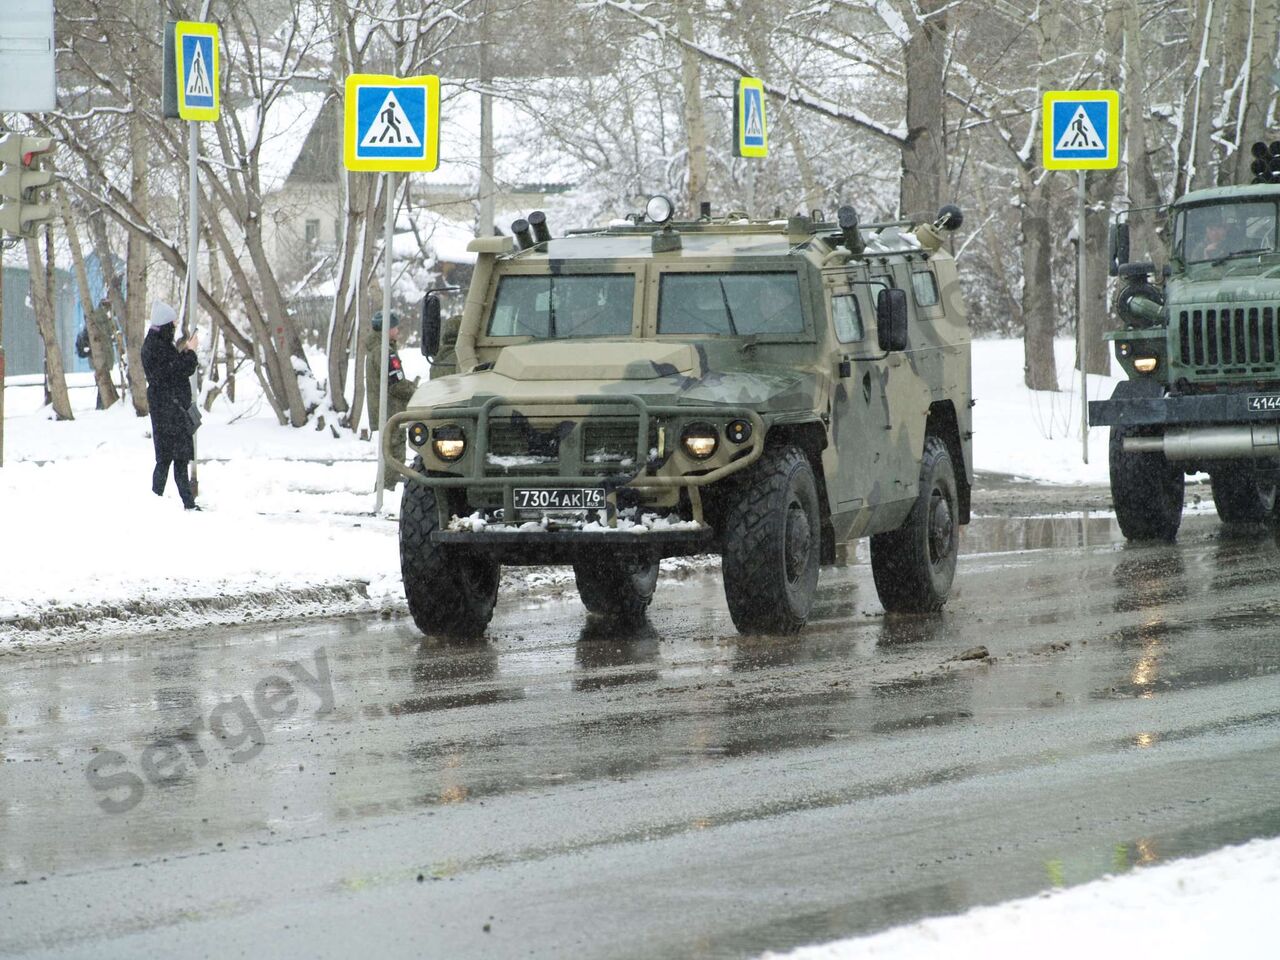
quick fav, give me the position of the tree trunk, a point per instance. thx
(1147, 242)
(1096, 319)
(135, 315)
(42, 301)
(1204, 95)
(1039, 307)
(119, 306)
(99, 357)
(1260, 92)
(924, 153)
(695, 127)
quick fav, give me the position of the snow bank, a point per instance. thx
(1034, 434)
(1219, 905)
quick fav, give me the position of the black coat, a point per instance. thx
(168, 373)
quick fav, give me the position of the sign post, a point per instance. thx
(750, 129)
(1081, 132)
(192, 94)
(391, 125)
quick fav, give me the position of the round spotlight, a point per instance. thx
(700, 440)
(659, 209)
(449, 442)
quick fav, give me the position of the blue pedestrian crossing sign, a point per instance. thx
(751, 131)
(392, 124)
(1081, 129)
(196, 65)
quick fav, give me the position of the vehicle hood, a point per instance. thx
(662, 372)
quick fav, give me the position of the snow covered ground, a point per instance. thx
(288, 526)
(1219, 905)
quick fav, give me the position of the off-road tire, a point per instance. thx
(451, 590)
(619, 586)
(1241, 496)
(1146, 491)
(772, 543)
(913, 566)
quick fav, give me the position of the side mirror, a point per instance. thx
(1119, 244)
(430, 325)
(891, 319)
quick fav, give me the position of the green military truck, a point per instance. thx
(767, 391)
(1200, 349)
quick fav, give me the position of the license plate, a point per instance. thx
(560, 500)
(1264, 402)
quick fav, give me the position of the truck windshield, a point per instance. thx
(729, 304)
(1220, 231)
(584, 305)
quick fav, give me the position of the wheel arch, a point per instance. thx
(811, 437)
(942, 422)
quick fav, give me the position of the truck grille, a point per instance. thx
(1240, 341)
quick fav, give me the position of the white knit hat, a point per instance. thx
(161, 314)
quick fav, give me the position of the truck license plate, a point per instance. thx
(560, 500)
(1267, 402)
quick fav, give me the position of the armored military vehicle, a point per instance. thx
(767, 391)
(1201, 348)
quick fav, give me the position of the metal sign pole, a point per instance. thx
(193, 274)
(386, 336)
(1082, 344)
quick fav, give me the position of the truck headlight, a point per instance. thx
(449, 442)
(1145, 364)
(700, 440)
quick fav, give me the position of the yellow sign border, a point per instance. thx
(1111, 160)
(195, 28)
(430, 141)
(745, 84)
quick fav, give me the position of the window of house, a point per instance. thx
(311, 230)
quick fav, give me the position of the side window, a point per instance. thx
(925, 286)
(847, 318)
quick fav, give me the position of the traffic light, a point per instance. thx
(1266, 162)
(23, 205)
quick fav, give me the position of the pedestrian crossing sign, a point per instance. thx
(751, 138)
(1081, 129)
(391, 123)
(196, 64)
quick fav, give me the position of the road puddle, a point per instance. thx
(1007, 534)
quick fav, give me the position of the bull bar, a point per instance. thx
(640, 479)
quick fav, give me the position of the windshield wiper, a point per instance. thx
(1238, 253)
(728, 311)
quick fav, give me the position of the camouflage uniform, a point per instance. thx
(399, 393)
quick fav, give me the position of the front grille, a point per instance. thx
(1240, 341)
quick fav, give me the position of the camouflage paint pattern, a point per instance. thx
(862, 412)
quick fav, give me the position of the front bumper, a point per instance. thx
(1215, 408)
(649, 475)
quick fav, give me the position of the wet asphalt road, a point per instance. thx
(570, 789)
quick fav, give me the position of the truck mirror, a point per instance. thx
(1119, 252)
(891, 319)
(430, 325)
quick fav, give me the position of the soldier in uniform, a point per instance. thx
(399, 388)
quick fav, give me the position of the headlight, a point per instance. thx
(1144, 364)
(418, 434)
(659, 209)
(700, 440)
(449, 442)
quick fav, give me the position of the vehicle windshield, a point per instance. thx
(730, 304)
(1219, 231)
(558, 307)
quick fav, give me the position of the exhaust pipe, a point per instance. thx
(1236, 442)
